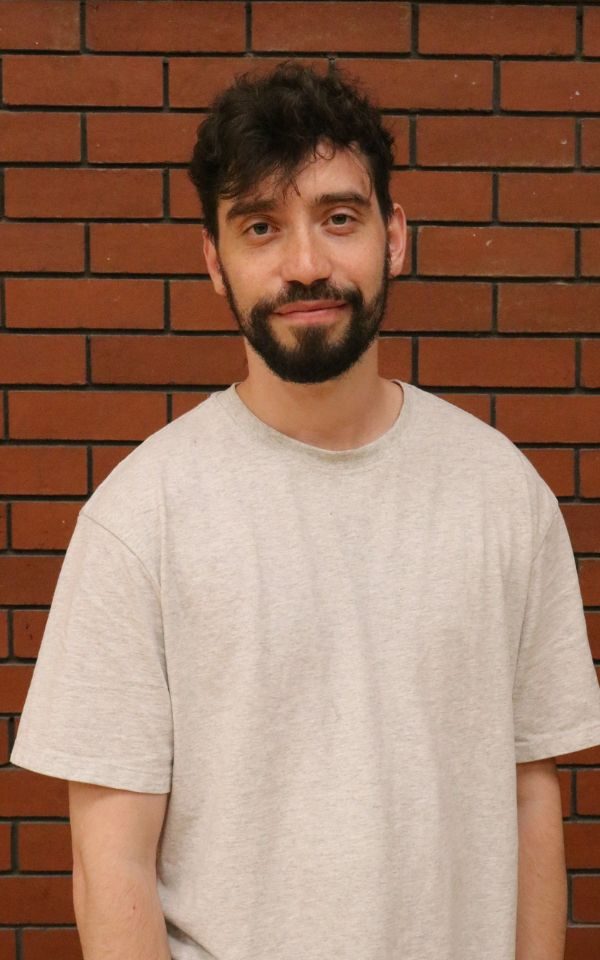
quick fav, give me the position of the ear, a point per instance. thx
(397, 236)
(212, 262)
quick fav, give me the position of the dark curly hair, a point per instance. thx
(263, 126)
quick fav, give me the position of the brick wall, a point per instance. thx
(110, 329)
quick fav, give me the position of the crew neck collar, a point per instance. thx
(253, 428)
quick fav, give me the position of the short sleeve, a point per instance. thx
(556, 697)
(98, 708)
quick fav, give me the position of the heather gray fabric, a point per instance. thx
(332, 660)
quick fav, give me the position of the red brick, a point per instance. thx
(476, 404)
(556, 466)
(45, 847)
(496, 251)
(589, 473)
(59, 943)
(492, 362)
(588, 792)
(3, 543)
(41, 247)
(592, 619)
(28, 630)
(438, 305)
(395, 358)
(590, 253)
(589, 578)
(549, 307)
(5, 844)
(52, 192)
(32, 358)
(39, 136)
(589, 757)
(28, 579)
(14, 684)
(550, 197)
(43, 526)
(185, 26)
(83, 81)
(27, 794)
(40, 470)
(568, 86)
(591, 32)
(84, 303)
(582, 842)
(474, 28)
(3, 635)
(165, 248)
(166, 360)
(196, 306)
(196, 81)
(85, 414)
(184, 202)
(141, 137)
(586, 889)
(399, 127)
(442, 195)
(39, 25)
(590, 142)
(105, 459)
(425, 84)
(547, 418)
(495, 141)
(590, 363)
(8, 944)
(583, 522)
(353, 27)
(4, 752)
(182, 402)
(26, 900)
(582, 943)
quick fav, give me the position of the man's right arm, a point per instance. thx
(115, 835)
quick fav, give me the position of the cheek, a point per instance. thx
(363, 259)
(366, 273)
(255, 279)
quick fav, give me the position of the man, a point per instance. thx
(316, 643)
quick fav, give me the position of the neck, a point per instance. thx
(340, 414)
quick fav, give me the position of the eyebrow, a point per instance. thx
(242, 208)
(343, 196)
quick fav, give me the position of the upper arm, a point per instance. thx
(111, 825)
(536, 779)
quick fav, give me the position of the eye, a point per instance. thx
(341, 219)
(258, 229)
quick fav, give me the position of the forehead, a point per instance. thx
(326, 173)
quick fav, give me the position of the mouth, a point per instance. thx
(314, 311)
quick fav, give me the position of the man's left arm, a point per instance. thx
(542, 889)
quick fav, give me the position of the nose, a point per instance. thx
(305, 258)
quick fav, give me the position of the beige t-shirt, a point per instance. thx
(332, 660)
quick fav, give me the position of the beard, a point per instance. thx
(314, 358)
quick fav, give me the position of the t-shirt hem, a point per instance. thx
(89, 771)
(554, 745)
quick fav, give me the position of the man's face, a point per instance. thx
(305, 270)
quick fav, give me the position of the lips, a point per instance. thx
(302, 306)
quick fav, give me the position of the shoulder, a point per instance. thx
(481, 458)
(130, 501)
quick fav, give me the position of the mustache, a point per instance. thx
(295, 291)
